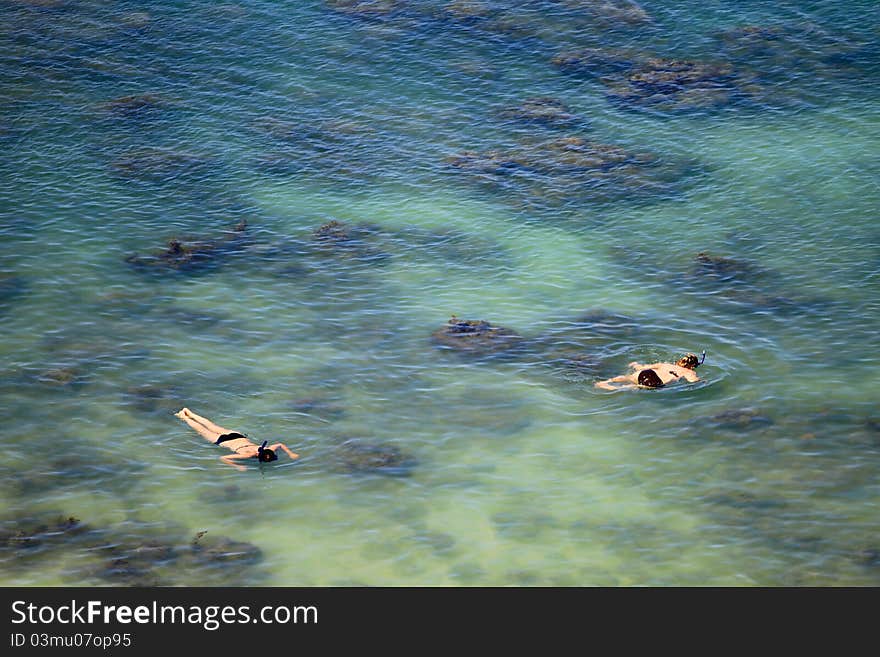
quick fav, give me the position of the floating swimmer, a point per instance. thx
(239, 443)
(656, 375)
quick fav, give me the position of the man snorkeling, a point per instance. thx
(239, 443)
(656, 375)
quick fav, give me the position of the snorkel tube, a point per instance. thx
(261, 448)
(702, 360)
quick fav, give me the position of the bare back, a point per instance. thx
(668, 372)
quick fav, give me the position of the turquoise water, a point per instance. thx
(126, 124)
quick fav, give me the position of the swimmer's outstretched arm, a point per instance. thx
(229, 457)
(690, 375)
(293, 455)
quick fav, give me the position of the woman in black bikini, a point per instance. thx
(656, 375)
(240, 445)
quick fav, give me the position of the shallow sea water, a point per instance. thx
(289, 115)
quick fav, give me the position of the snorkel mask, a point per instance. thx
(265, 455)
(691, 361)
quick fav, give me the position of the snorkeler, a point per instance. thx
(655, 375)
(240, 445)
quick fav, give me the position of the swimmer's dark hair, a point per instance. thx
(264, 454)
(649, 379)
(690, 361)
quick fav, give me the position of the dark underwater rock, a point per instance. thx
(598, 61)
(62, 376)
(573, 348)
(76, 354)
(280, 129)
(523, 524)
(124, 572)
(323, 135)
(440, 543)
(131, 554)
(745, 285)
(43, 4)
(747, 41)
(476, 337)
(29, 533)
(476, 69)
(485, 162)
(153, 552)
(344, 240)
(569, 169)
(193, 255)
(615, 13)
(742, 284)
(343, 150)
(12, 287)
(545, 111)
(787, 51)
(149, 398)
(869, 557)
(279, 163)
(333, 232)
(753, 300)
(325, 409)
(672, 75)
(366, 9)
(574, 365)
(132, 106)
(157, 164)
(359, 457)
(734, 419)
(153, 561)
(222, 495)
(744, 500)
(562, 155)
(59, 470)
(678, 84)
(177, 256)
(135, 20)
(134, 562)
(720, 268)
(790, 63)
(467, 11)
(223, 550)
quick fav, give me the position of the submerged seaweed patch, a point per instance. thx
(544, 111)
(193, 255)
(356, 456)
(571, 169)
(12, 287)
(477, 338)
(155, 164)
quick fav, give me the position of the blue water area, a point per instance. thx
(406, 238)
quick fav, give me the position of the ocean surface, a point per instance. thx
(606, 181)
